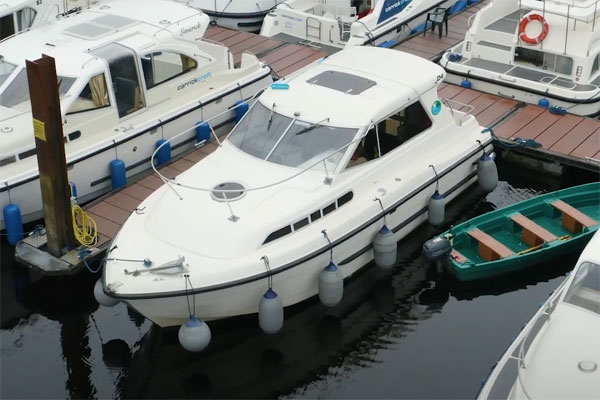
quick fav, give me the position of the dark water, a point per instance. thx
(406, 333)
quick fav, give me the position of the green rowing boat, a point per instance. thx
(524, 233)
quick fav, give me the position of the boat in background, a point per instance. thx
(543, 52)
(334, 24)
(522, 234)
(124, 84)
(241, 15)
(19, 15)
(292, 190)
(557, 353)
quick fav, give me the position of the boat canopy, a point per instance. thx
(273, 137)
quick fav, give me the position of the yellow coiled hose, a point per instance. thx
(84, 226)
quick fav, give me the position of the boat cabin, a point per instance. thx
(110, 68)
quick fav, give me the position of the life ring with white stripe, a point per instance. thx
(523, 24)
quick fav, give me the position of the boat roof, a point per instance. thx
(592, 250)
(70, 39)
(355, 86)
(583, 10)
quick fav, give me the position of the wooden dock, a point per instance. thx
(565, 139)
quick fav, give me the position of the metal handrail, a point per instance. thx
(465, 114)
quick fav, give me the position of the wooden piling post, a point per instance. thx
(49, 140)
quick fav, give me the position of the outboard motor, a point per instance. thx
(436, 251)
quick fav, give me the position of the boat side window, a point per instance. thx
(595, 65)
(16, 94)
(5, 70)
(162, 66)
(25, 18)
(93, 96)
(547, 61)
(585, 289)
(397, 129)
(7, 26)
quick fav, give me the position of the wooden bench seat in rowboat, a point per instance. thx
(573, 220)
(533, 234)
(456, 256)
(489, 248)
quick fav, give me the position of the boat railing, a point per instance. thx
(533, 328)
(507, 371)
(172, 182)
(458, 105)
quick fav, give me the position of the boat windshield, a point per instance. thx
(16, 93)
(270, 136)
(585, 289)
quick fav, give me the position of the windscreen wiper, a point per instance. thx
(313, 126)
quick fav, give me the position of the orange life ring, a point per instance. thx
(523, 25)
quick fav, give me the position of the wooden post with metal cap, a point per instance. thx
(49, 140)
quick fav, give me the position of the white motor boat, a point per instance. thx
(124, 84)
(335, 24)
(241, 15)
(557, 353)
(293, 187)
(542, 52)
(20, 15)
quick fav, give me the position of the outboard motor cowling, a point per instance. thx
(436, 251)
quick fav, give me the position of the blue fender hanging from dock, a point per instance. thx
(118, 177)
(13, 222)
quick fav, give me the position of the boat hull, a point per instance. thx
(578, 102)
(298, 280)
(498, 224)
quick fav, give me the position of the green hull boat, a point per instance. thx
(524, 233)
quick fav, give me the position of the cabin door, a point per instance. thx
(125, 78)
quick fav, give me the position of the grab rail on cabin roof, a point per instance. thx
(470, 108)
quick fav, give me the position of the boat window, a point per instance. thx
(7, 26)
(16, 94)
(305, 144)
(259, 130)
(7, 160)
(315, 216)
(329, 209)
(301, 224)
(27, 153)
(396, 130)
(286, 230)
(5, 70)
(595, 64)
(344, 199)
(585, 288)
(25, 18)
(124, 77)
(547, 61)
(162, 66)
(93, 96)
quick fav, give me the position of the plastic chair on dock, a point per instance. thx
(438, 17)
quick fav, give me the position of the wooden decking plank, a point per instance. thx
(152, 182)
(521, 118)
(282, 52)
(589, 147)
(241, 37)
(123, 201)
(576, 136)
(466, 96)
(110, 212)
(169, 172)
(225, 34)
(433, 42)
(212, 31)
(294, 58)
(410, 46)
(105, 227)
(182, 164)
(301, 64)
(137, 191)
(247, 44)
(495, 112)
(538, 125)
(195, 156)
(481, 103)
(265, 47)
(558, 130)
(450, 91)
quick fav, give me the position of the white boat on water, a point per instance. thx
(335, 24)
(293, 187)
(125, 82)
(542, 52)
(241, 15)
(557, 353)
(20, 15)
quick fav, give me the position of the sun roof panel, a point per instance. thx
(342, 81)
